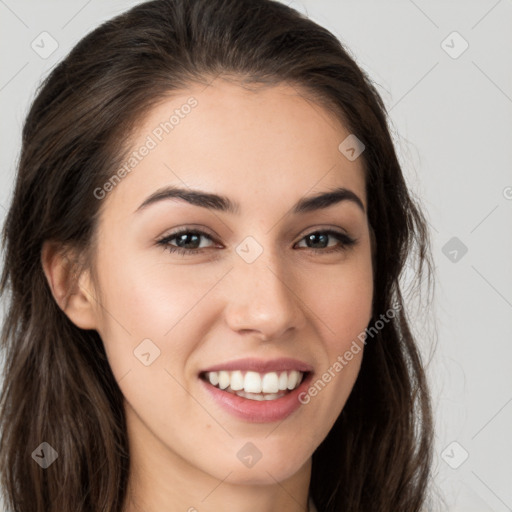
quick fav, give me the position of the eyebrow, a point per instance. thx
(224, 204)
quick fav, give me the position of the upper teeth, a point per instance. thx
(254, 382)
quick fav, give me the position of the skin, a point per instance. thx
(212, 307)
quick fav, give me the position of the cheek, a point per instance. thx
(341, 299)
(143, 300)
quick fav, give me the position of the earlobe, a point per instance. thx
(71, 290)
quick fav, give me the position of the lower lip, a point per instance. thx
(265, 411)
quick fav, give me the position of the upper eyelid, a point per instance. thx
(200, 231)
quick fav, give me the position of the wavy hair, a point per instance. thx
(58, 385)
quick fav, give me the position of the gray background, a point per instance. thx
(451, 113)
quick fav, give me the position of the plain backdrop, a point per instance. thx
(444, 71)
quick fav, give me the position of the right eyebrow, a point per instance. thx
(195, 197)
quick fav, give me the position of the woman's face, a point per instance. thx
(252, 282)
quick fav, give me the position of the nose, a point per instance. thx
(264, 299)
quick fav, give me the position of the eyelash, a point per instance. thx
(345, 241)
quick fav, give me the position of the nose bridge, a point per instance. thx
(262, 297)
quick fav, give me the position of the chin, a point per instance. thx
(263, 472)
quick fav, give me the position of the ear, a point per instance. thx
(72, 291)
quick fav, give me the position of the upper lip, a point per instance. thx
(261, 365)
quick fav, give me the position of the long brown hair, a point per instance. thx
(58, 385)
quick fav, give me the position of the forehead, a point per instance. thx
(254, 144)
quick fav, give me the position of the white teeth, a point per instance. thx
(251, 396)
(258, 396)
(254, 383)
(224, 380)
(237, 381)
(213, 377)
(270, 383)
(293, 379)
(283, 381)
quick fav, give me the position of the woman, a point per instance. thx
(203, 252)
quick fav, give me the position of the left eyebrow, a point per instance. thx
(326, 199)
(224, 204)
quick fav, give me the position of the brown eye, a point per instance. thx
(185, 241)
(321, 241)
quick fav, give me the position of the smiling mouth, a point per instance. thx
(255, 385)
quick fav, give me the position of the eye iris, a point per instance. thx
(317, 240)
(185, 239)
